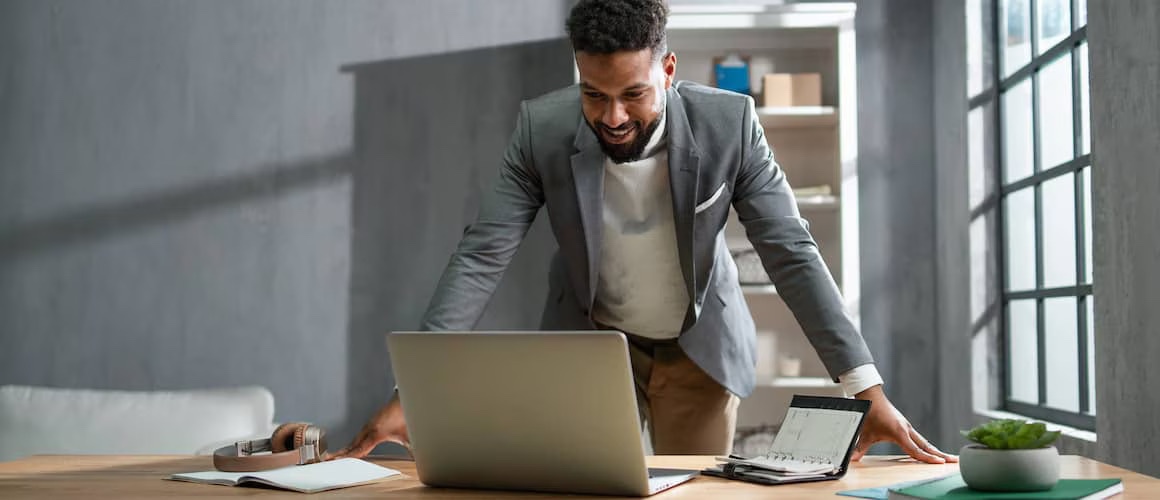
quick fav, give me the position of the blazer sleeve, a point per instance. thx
(767, 209)
(488, 244)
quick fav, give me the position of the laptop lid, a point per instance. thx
(542, 411)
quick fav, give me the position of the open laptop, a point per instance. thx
(539, 411)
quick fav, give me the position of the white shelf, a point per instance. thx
(818, 202)
(795, 117)
(759, 289)
(698, 14)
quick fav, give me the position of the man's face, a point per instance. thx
(623, 96)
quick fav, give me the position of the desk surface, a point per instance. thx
(98, 476)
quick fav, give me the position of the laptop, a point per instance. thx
(536, 411)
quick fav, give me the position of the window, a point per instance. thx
(1030, 195)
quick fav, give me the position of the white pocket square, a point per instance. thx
(709, 202)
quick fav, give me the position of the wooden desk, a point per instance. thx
(66, 476)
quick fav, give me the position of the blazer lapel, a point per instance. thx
(684, 166)
(588, 177)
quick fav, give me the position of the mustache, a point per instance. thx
(626, 126)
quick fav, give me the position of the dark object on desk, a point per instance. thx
(816, 440)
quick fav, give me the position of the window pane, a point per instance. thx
(1058, 231)
(1054, 23)
(1017, 145)
(979, 59)
(1061, 350)
(1084, 98)
(1082, 18)
(980, 285)
(976, 149)
(1019, 213)
(1023, 365)
(1056, 139)
(1087, 222)
(1091, 353)
(1016, 32)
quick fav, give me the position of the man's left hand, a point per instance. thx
(885, 423)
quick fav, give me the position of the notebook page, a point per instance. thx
(325, 475)
(814, 436)
(305, 478)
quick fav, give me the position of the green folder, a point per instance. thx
(953, 487)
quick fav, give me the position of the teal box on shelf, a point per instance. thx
(732, 73)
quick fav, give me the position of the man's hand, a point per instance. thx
(886, 423)
(387, 425)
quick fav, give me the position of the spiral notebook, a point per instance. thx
(814, 443)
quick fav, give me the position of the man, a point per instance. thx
(638, 174)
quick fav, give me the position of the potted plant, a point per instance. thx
(1010, 455)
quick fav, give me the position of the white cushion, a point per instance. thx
(37, 420)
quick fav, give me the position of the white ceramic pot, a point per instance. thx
(1009, 470)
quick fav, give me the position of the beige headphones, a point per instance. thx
(291, 444)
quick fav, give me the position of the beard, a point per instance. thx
(629, 151)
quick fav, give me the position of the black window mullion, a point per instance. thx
(1080, 226)
(1040, 312)
(997, 24)
(1072, 165)
(1075, 14)
(1064, 417)
(1082, 335)
(1055, 52)
(1047, 293)
(1036, 167)
(1033, 13)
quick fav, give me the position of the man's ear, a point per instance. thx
(669, 65)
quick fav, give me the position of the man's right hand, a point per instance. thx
(387, 425)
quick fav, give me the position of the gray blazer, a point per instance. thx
(717, 156)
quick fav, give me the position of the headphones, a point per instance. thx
(291, 444)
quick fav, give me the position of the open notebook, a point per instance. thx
(322, 476)
(814, 443)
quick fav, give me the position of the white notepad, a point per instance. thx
(322, 476)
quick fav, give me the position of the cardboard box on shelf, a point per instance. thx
(792, 89)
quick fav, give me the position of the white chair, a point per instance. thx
(38, 420)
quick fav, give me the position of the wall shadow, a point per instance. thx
(85, 224)
(429, 136)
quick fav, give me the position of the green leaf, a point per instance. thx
(1011, 434)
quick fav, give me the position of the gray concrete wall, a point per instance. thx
(1125, 116)
(952, 219)
(197, 193)
(896, 155)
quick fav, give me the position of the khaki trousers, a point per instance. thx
(687, 412)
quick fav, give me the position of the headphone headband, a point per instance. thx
(291, 444)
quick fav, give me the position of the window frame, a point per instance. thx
(994, 87)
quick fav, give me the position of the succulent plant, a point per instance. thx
(1012, 434)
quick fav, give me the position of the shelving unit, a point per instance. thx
(797, 117)
(814, 145)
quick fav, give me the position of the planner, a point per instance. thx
(815, 441)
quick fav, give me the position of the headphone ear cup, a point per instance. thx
(286, 437)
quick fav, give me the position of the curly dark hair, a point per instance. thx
(607, 26)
